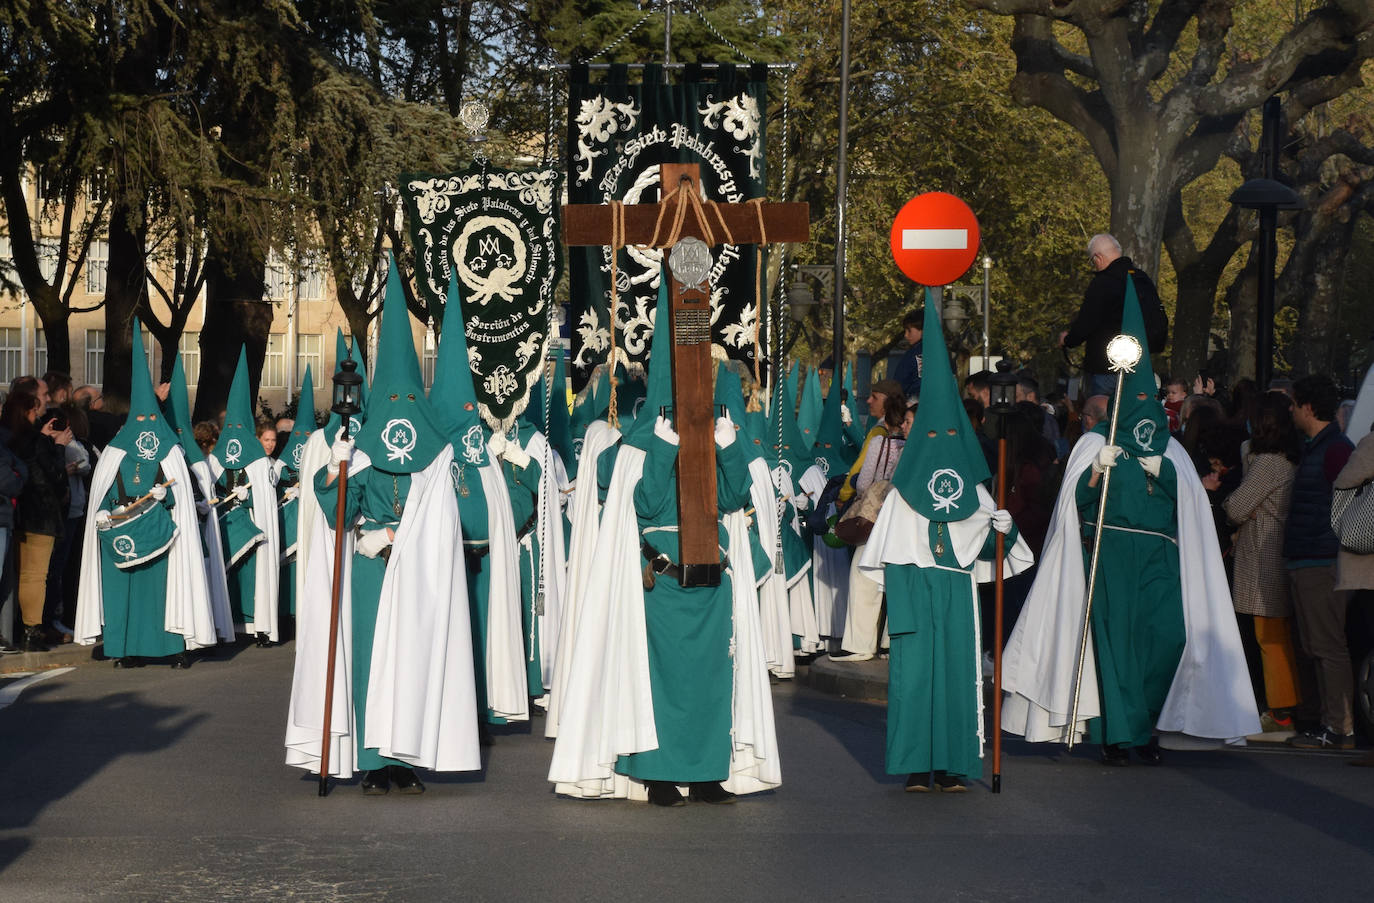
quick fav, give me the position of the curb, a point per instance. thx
(64, 656)
(855, 680)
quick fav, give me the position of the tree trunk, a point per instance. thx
(1242, 297)
(236, 315)
(126, 289)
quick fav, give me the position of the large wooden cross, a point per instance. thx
(652, 225)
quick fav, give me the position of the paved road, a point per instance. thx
(155, 784)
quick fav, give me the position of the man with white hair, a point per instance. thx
(1099, 318)
(1094, 412)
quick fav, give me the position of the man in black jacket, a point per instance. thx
(1099, 318)
(1309, 551)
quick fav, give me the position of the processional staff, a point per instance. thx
(1123, 354)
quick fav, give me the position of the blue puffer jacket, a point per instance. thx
(1307, 532)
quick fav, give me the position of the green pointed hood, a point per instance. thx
(453, 397)
(146, 433)
(238, 444)
(809, 411)
(795, 453)
(790, 386)
(401, 432)
(942, 463)
(831, 451)
(591, 405)
(290, 454)
(730, 394)
(659, 391)
(1143, 427)
(178, 409)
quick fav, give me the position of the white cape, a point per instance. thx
(266, 559)
(774, 614)
(1211, 696)
(215, 577)
(508, 693)
(608, 705)
(188, 610)
(585, 517)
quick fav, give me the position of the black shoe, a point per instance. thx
(129, 661)
(709, 792)
(948, 783)
(664, 793)
(406, 780)
(1117, 756)
(1325, 738)
(918, 782)
(181, 661)
(33, 640)
(376, 782)
(263, 641)
(1150, 753)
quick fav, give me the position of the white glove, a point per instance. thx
(371, 543)
(725, 432)
(1106, 458)
(801, 502)
(241, 493)
(1150, 464)
(1001, 521)
(290, 493)
(158, 493)
(340, 452)
(202, 508)
(845, 417)
(664, 430)
(102, 520)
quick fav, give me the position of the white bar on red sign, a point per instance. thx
(934, 239)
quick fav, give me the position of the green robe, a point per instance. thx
(287, 512)
(135, 600)
(371, 500)
(1137, 610)
(243, 578)
(691, 673)
(523, 485)
(935, 665)
(472, 513)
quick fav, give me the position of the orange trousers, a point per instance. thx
(1275, 639)
(35, 553)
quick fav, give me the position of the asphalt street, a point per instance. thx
(156, 784)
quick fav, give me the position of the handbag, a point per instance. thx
(1352, 518)
(857, 522)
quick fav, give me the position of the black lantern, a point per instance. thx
(348, 385)
(1002, 390)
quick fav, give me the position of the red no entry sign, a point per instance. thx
(934, 238)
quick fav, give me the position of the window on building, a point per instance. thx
(189, 347)
(308, 353)
(278, 278)
(97, 266)
(427, 359)
(40, 351)
(96, 187)
(11, 356)
(311, 285)
(95, 356)
(274, 365)
(47, 259)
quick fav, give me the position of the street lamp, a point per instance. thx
(987, 311)
(800, 300)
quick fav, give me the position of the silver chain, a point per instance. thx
(716, 31)
(611, 46)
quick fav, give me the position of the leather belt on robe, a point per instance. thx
(688, 575)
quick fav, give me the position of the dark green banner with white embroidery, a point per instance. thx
(498, 230)
(618, 134)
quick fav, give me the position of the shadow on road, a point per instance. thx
(50, 748)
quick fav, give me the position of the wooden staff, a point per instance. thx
(334, 602)
(1124, 353)
(129, 509)
(997, 619)
(215, 503)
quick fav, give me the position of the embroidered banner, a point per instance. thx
(618, 134)
(498, 230)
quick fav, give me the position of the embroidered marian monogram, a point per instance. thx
(296, 455)
(233, 451)
(455, 474)
(124, 547)
(824, 465)
(946, 487)
(399, 438)
(1144, 433)
(147, 444)
(472, 444)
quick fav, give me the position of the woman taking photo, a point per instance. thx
(42, 508)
